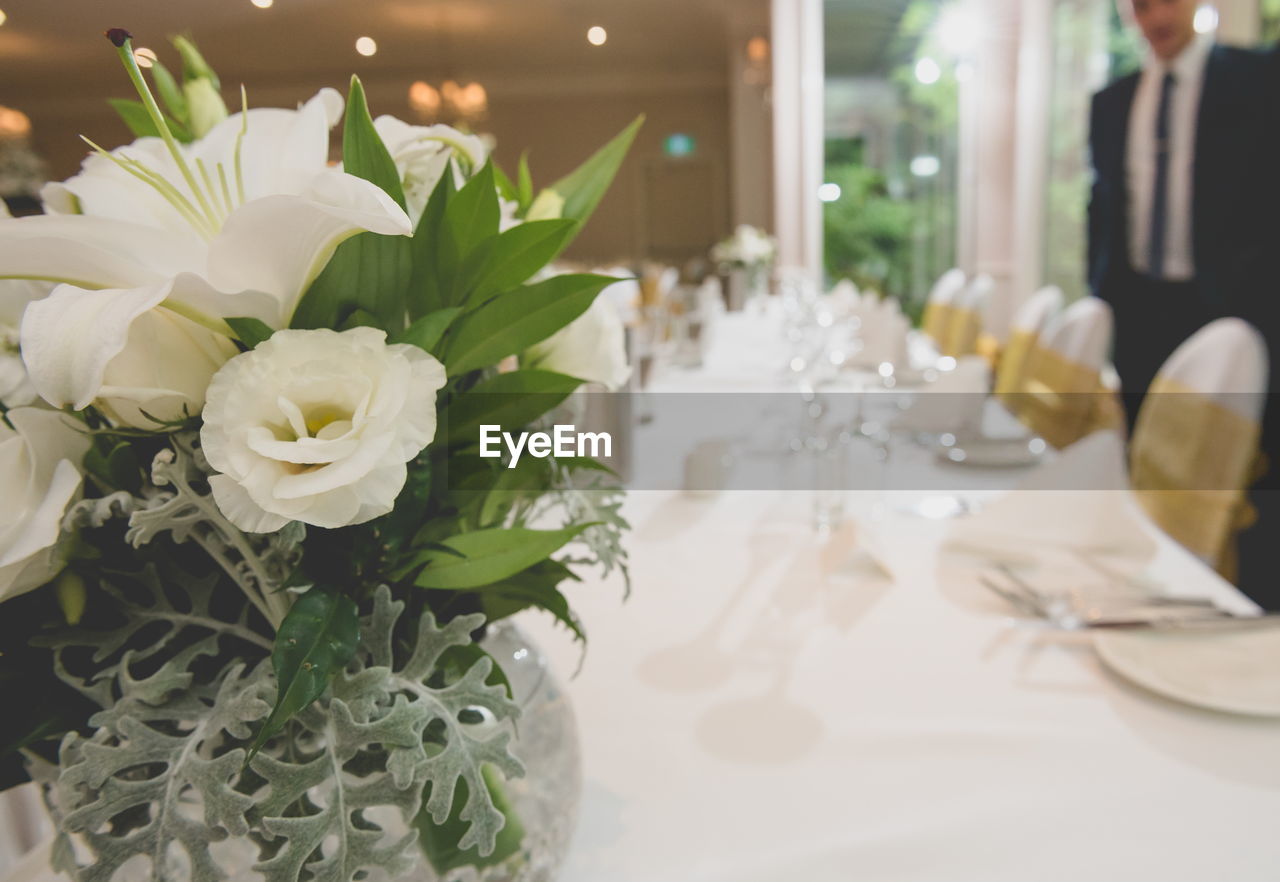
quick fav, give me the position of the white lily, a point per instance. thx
(238, 223)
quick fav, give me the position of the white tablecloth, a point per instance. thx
(767, 707)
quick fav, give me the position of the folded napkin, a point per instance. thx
(951, 404)
(883, 332)
(1079, 500)
(844, 299)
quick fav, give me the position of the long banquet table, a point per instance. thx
(778, 703)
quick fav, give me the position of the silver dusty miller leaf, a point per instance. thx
(332, 798)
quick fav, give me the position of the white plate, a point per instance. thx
(994, 452)
(1233, 671)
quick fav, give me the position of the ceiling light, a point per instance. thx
(597, 36)
(758, 50)
(366, 46)
(927, 71)
(144, 56)
(3, 17)
(262, 4)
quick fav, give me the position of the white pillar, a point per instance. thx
(988, 153)
(1034, 93)
(798, 132)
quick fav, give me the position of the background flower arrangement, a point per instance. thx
(243, 567)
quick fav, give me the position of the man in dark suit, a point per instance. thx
(1184, 219)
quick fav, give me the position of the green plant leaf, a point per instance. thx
(506, 187)
(425, 293)
(169, 91)
(491, 555)
(530, 478)
(471, 218)
(516, 255)
(440, 841)
(514, 321)
(425, 333)
(368, 271)
(584, 187)
(316, 640)
(510, 400)
(535, 588)
(363, 153)
(135, 116)
(251, 331)
(524, 183)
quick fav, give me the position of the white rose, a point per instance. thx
(317, 426)
(39, 477)
(133, 358)
(593, 348)
(422, 153)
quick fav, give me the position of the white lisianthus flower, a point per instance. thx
(748, 247)
(593, 348)
(39, 477)
(154, 365)
(422, 153)
(240, 227)
(317, 426)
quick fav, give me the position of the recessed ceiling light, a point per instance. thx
(144, 56)
(597, 36)
(262, 4)
(3, 17)
(366, 46)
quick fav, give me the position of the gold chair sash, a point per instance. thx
(936, 322)
(1191, 462)
(962, 332)
(1062, 401)
(990, 348)
(1014, 362)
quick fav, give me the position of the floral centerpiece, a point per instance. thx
(248, 544)
(748, 254)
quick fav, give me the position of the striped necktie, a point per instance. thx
(1160, 198)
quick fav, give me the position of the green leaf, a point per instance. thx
(491, 555)
(440, 841)
(524, 184)
(425, 293)
(135, 116)
(506, 188)
(535, 588)
(510, 400)
(472, 217)
(359, 318)
(170, 93)
(368, 271)
(316, 640)
(425, 333)
(514, 321)
(517, 254)
(363, 153)
(251, 331)
(116, 465)
(530, 478)
(583, 188)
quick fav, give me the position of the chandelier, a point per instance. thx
(452, 100)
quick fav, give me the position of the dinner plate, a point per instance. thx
(994, 452)
(1233, 671)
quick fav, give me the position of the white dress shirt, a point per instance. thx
(1140, 160)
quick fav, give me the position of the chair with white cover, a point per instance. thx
(937, 309)
(1063, 398)
(1195, 445)
(1029, 322)
(967, 314)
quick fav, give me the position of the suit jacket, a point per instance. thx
(1235, 224)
